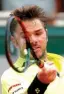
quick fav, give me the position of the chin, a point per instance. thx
(39, 55)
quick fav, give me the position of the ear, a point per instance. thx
(14, 41)
(47, 34)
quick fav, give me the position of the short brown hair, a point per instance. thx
(27, 13)
(30, 12)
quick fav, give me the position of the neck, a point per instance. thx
(44, 56)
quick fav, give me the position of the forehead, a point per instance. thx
(33, 25)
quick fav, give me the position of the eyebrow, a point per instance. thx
(38, 30)
(35, 30)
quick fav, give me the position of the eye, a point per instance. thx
(38, 33)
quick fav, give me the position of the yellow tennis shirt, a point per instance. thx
(18, 83)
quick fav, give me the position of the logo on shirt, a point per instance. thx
(15, 85)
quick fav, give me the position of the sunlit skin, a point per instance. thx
(37, 35)
(38, 38)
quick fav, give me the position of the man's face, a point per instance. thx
(37, 35)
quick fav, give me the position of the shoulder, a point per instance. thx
(10, 72)
(6, 74)
(54, 56)
(58, 61)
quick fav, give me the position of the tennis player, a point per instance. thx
(47, 77)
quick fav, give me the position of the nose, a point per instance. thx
(33, 39)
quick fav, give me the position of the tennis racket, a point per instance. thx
(11, 26)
